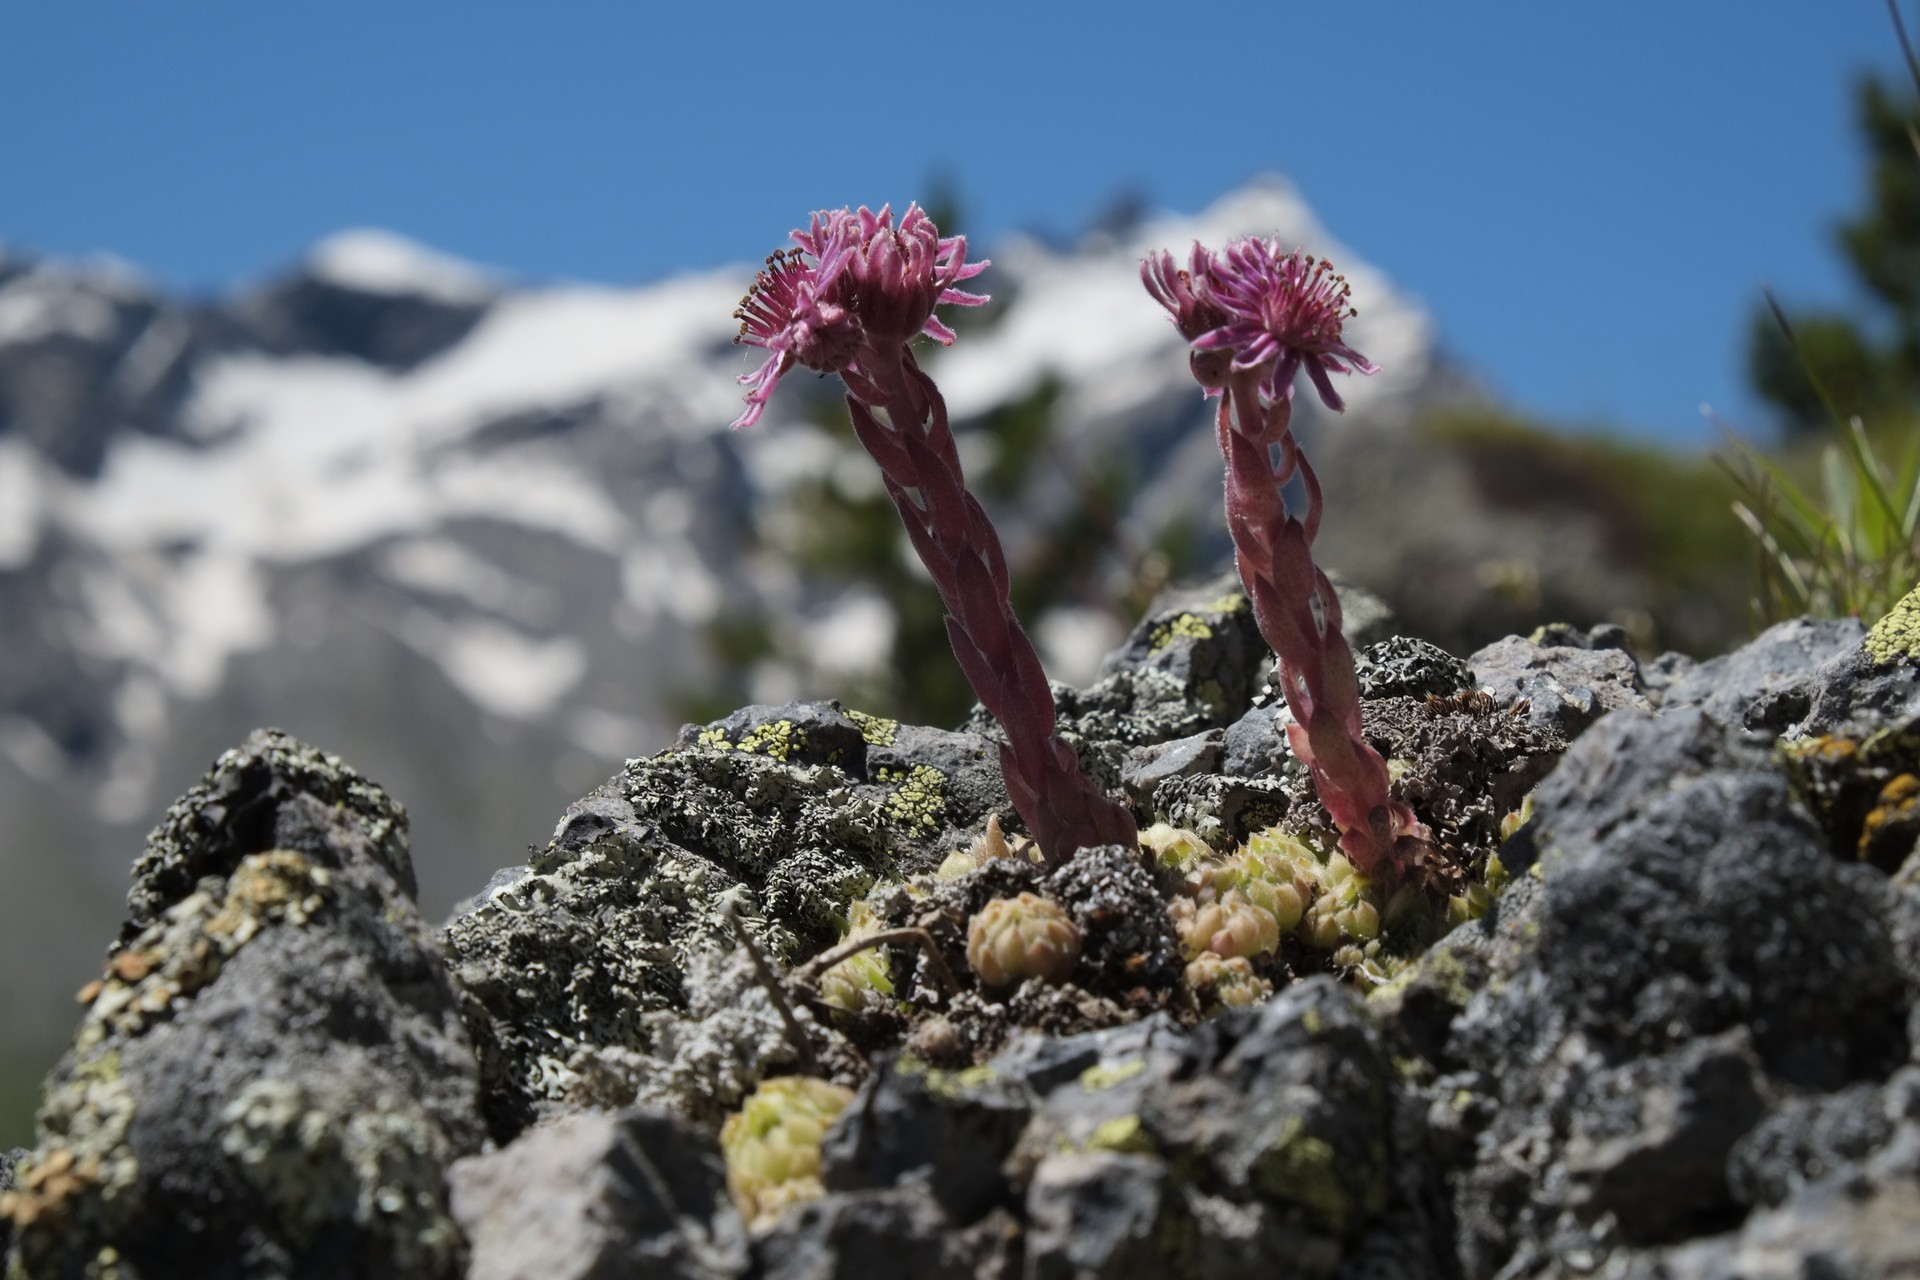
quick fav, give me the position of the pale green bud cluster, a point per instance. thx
(1220, 982)
(990, 845)
(1175, 847)
(1343, 911)
(845, 985)
(1241, 905)
(772, 1145)
(1012, 939)
(1472, 903)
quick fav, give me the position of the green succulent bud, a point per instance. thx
(1518, 818)
(1220, 982)
(1344, 911)
(1478, 896)
(845, 985)
(772, 1145)
(993, 843)
(1012, 939)
(1174, 847)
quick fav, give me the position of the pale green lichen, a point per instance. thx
(918, 801)
(877, 730)
(379, 1168)
(187, 947)
(1305, 1170)
(1897, 635)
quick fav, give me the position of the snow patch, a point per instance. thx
(370, 260)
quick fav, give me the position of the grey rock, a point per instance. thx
(1147, 767)
(1097, 1214)
(1809, 1138)
(1255, 743)
(607, 976)
(1295, 1113)
(1567, 686)
(1767, 685)
(866, 1234)
(1851, 693)
(951, 1132)
(273, 1073)
(1650, 1141)
(1688, 950)
(593, 1196)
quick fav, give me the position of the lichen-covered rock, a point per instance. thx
(595, 1195)
(597, 969)
(271, 1074)
(1406, 667)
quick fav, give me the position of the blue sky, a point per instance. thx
(1587, 196)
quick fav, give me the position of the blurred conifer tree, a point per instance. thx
(1865, 362)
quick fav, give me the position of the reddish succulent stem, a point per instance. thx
(915, 450)
(1299, 616)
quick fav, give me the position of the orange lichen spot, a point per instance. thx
(47, 1185)
(131, 966)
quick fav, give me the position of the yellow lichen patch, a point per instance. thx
(1123, 1134)
(918, 799)
(1105, 1075)
(877, 730)
(276, 886)
(777, 739)
(715, 738)
(1897, 635)
(772, 1145)
(1185, 626)
(1825, 748)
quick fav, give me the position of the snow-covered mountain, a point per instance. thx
(471, 532)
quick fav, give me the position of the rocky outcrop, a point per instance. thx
(1674, 1038)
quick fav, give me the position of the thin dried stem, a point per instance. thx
(808, 974)
(763, 971)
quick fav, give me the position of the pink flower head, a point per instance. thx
(1193, 312)
(1284, 313)
(796, 311)
(897, 275)
(856, 283)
